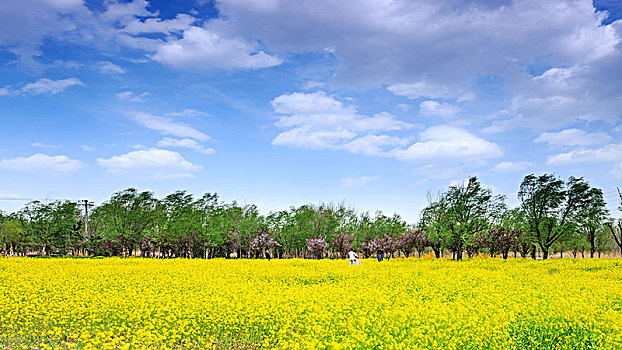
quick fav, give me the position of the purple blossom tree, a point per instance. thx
(317, 247)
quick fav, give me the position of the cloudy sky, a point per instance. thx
(370, 102)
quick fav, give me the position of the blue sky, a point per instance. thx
(279, 103)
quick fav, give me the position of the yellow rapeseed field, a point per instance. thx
(310, 304)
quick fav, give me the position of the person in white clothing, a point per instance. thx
(353, 257)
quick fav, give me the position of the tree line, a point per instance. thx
(467, 218)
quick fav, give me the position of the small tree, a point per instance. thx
(263, 241)
(342, 244)
(413, 241)
(317, 247)
(500, 240)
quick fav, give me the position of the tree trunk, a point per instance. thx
(545, 253)
(592, 239)
(533, 251)
(459, 255)
(437, 252)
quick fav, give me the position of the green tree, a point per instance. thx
(126, 218)
(12, 235)
(551, 205)
(591, 215)
(465, 211)
(51, 227)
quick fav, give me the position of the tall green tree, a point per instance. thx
(464, 211)
(126, 218)
(591, 216)
(551, 206)
(51, 227)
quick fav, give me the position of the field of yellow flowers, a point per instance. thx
(310, 304)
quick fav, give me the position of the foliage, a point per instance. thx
(342, 244)
(317, 247)
(413, 241)
(466, 217)
(553, 208)
(463, 212)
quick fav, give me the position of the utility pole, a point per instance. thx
(86, 220)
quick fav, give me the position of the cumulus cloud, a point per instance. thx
(436, 109)
(202, 49)
(385, 41)
(506, 167)
(87, 148)
(374, 145)
(178, 24)
(448, 143)
(42, 163)
(185, 143)
(425, 50)
(150, 163)
(573, 137)
(419, 90)
(168, 126)
(317, 121)
(24, 24)
(357, 181)
(609, 153)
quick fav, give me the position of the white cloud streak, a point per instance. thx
(185, 143)
(42, 163)
(150, 163)
(167, 126)
(573, 137)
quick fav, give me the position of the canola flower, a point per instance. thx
(310, 304)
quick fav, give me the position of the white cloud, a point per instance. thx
(187, 113)
(609, 153)
(419, 90)
(110, 68)
(156, 25)
(185, 143)
(131, 96)
(45, 86)
(317, 121)
(436, 109)
(506, 167)
(87, 148)
(357, 181)
(374, 145)
(310, 85)
(24, 24)
(202, 49)
(445, 143)
(150, 163)
(43, 145)
(573, 137)
(442, 50)
(41, 86)
(42, 163)
(167, 126)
